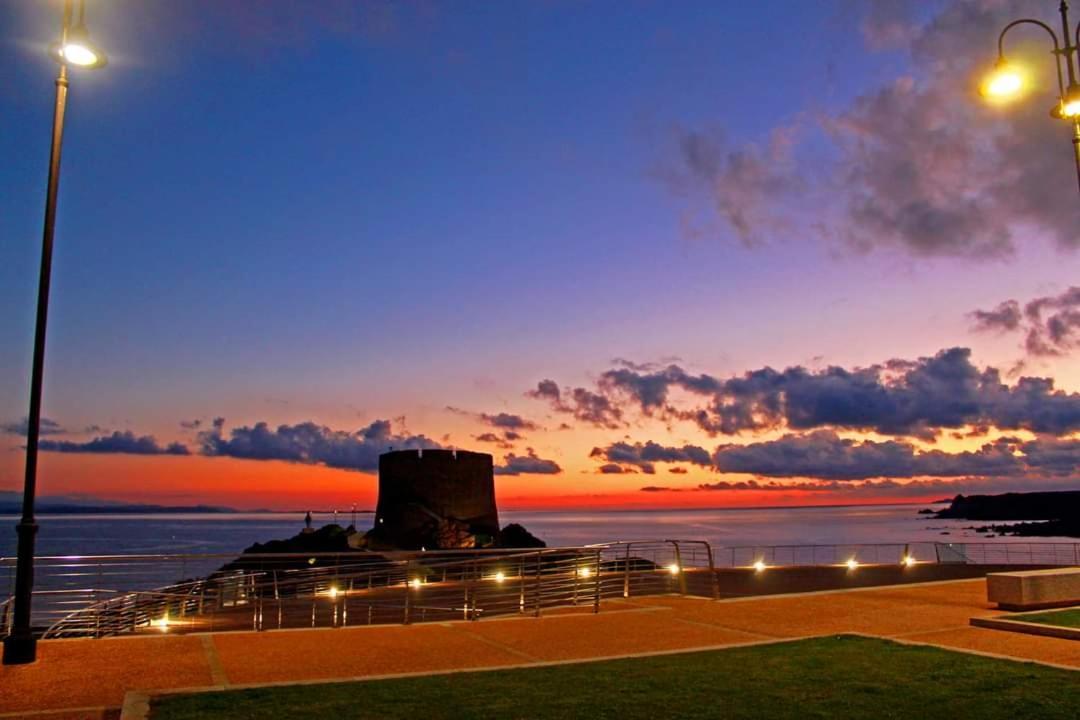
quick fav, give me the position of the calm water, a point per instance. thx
(229, 533)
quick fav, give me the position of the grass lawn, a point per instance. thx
(1064, 618)
(836, 677)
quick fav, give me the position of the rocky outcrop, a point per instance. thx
(1059, 511)
(516, 536)
(1015, 506)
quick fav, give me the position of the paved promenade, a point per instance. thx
(89, 678)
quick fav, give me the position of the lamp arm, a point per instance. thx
(1040, 23)
(1054, 37)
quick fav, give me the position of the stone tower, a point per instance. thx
(435, 499)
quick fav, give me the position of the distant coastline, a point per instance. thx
(7, 508)
(10, 504)
(1046, 514)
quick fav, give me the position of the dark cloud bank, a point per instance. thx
(306, 442)
(528, 464)
(824, 455)
(1050, 324)
(20, 427)
(916, 398)
(309, 442)
(118, 442)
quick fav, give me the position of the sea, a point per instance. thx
(116, 534)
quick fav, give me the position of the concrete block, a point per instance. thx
(1034, 589)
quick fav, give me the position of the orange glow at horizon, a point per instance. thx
(278, 485)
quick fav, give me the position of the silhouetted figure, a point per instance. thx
(307, 520)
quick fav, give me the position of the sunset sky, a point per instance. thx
(647, 254)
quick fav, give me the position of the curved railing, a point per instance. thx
(109, 595)
(280, 591)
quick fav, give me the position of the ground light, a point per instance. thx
(162, 623)
(415, 583)
(852, 564)
(332, 592)
(759, 565)
(909, 560)
(673, 568)
(500, 576)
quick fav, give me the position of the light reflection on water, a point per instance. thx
(229, 533)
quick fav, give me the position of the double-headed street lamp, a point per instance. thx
(1008, 80)
(75, 49)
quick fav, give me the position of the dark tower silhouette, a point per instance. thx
(435, 499)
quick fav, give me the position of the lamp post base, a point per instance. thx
(20, 649)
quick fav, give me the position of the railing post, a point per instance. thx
(712, 573)
(521, 586)
(467, 580)
(679, 565)
(626, 573)
(408, 592)
(596, 574)
(538, 594)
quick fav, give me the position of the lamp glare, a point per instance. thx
(1070, 109)
(79, 54)
(1004, 83)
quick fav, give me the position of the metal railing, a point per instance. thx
(97, 596)
(108, 595)
(980, 553)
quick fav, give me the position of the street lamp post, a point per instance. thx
(74, 48)
(1007, 80)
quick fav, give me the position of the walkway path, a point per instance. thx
(89, 678)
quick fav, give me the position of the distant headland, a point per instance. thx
(11, 504)
(1049, 514)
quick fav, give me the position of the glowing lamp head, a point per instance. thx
(332, 592)
(674, 568)
(161, 623)
(909, 560)
(415, 583)
(759, 565)
(585, 572)
(852, 564)
(78, 50)
(500, 576)
(1069, 107)
(1004, 83)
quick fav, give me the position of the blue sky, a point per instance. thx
(348, 211)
